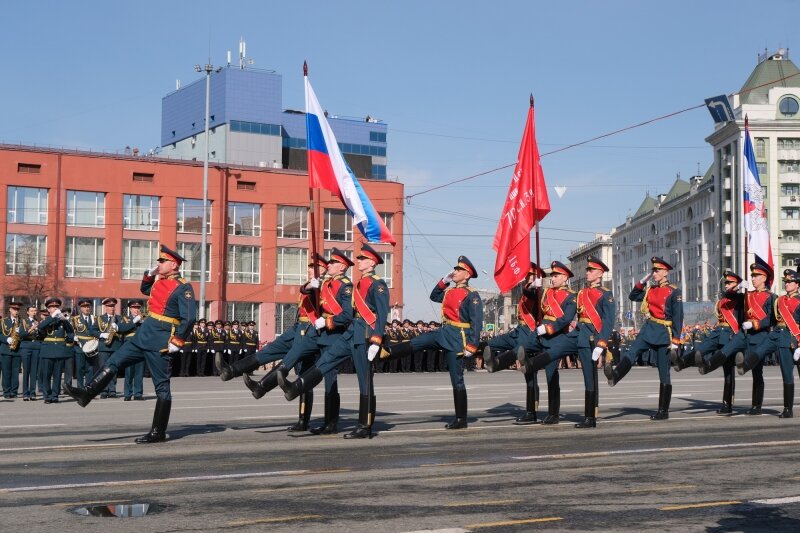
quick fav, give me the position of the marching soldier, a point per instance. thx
(730, 315)
(783, 339)
(134, 374)
(462, 321)
(507, 344)
(56, 334)
(83, 325)
(171, 315)
(10, 357)
(29, 352)
(361, 342)
(662, 304)
(307, 314)
(551, 342)
(106, 328)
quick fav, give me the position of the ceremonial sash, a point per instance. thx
(523, 312)
(588, 308)
(329, 301)
(553, 303)
(729, 315)
(754, 308)
(361, 304)
(307, 307)
(788, 315)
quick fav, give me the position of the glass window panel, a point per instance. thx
(285, 317)
(140, 212)
(84, 257)
(291, 265)
(385, 270)
(190, 216)
(244, 264)
(292, 222)
(137, 257)
(85, 208)
(27, 205)
(244, 219)
(25, 255)
(338, 225)
(243, 312)
(190, 269)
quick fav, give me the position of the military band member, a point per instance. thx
(462, 321)
(662, 305)
(56, 334)
(507, 344)
(783, 339)
(189, 353)
(204, 348)
(234, 342)
(83, 326)
(29, 353)
(558, 307)
(134, 374)
(106, 329)
(250, 340)
(171, 315)
(361, 342)
(10, 357)
(730, 315)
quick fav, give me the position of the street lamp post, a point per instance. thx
(208, 69)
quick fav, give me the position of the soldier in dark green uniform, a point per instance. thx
(29, 352)
(217, 339)
(56, 335)
(10, 358)
(134, 374)
(83, 325)
(106, 329)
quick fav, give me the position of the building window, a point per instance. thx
(190, 251)
(29, 168)
(84, 257)
(140, 212)
(790, 260)
(379, 172)
(244, 219)
(762, 169)
(377, 136)
(761, 148)
(338, 225)
(137, 257)
(245, 185)
(292, 222)
(144, 177)
(25, 255)
(27, 205)
(244, 264)
(285, 317)
(242, 311)
(291, 265)
(790, 189)
(788, 166)
(387, 220)
(790, 213)
(788, 107)
(255, 127)
(190, 216)
(385, 270)
(347, 253)
(87, 209)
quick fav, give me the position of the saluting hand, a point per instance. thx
(447, 278)
(645, 279)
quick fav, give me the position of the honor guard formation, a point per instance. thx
(343, 326)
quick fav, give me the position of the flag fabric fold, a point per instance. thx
(756, 224)
(327, 169)
(526, 204)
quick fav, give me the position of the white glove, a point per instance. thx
(468, 353)
(747, 325)
(447, 278)
(57, 314)
(744, 286)
(673, 346)
(75, 338)
(319, 323)
(646, 278)
(796, 354)
(537, 282)
(104, 335)
(313, 283)
(597, 353)
(171, 348)
(137, 318)
(541, 330)
(153, 271)
(9, 339)
(372, 351)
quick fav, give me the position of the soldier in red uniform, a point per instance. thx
(662, 304)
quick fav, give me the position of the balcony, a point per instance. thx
(789, 201)
(789, 247)
(789, 224)
(789, 177)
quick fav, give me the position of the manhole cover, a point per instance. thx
(116, 510)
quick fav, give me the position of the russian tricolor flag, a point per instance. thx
(756, 224)
(327, 169)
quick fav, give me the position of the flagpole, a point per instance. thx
(538, 258)
(741, 199)
(311, 211)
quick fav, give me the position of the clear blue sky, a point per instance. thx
(451, 79)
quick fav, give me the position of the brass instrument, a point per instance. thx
(112, 332)
(15, 339)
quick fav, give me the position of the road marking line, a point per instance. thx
(455, 464)
(698, 505)
(298, 487)
(186, 479)
(67, 447)
(75, 504)
(485, 502)
(662, 488)
(514, 522)
(271, 520)
(590, 468)
(778, 501)
(637, 451)
(33, 426)
(403, 454)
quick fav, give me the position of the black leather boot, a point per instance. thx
(99, 382)
(664, 397)
(534, 363)
(306, 403)
(553, 402)
(228, 372)
(727, 399)
(714, 362)
(364, 428)
(758, 398)
(158, 433)
(460, 401)
(531, 405)
(307, 381)
(615, 374)
(501, 361)
(331, 413)
(589, 411)
(267, 383)
(397, 351)
(788, 401)
(679, 362)
(746, 362)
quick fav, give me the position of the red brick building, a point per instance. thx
(86, 225)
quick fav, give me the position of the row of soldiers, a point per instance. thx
(210, 338)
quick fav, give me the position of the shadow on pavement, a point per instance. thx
(756, 518)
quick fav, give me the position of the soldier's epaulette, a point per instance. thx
(604, 289)
(182, 280)
(571, 291)
(673, 286)
(344, 279)
(470, 289)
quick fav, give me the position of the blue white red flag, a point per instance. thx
(755, 214)
(328, 170)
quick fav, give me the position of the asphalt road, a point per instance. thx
(230, 465)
